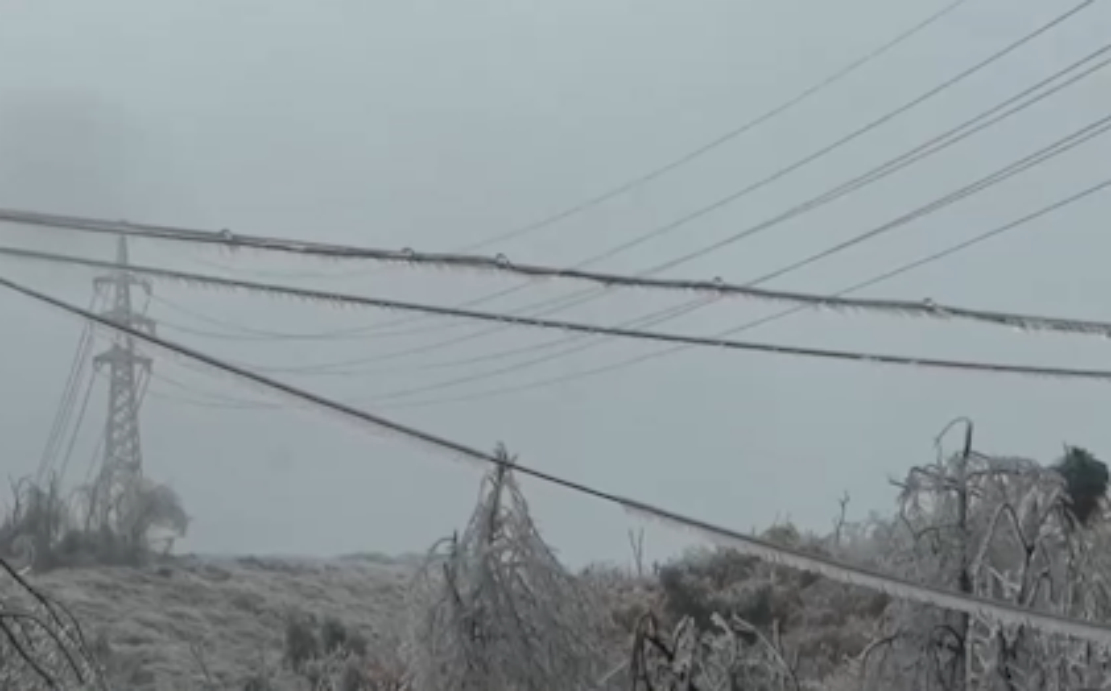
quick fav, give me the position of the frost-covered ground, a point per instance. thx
(229, 612)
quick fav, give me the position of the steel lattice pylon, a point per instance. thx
(123, 455)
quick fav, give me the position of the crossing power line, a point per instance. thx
(188, 278)
(984, 120)
(720, 289)
(501, 264)
(1056, 148)
(625, 363)
(302, 247)
(1062, 145)
(737, 195)
(715, 287)
(749, 289)
(1002, 612)
(981, 121)
(717, 142)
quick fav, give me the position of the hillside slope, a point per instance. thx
(167, 622)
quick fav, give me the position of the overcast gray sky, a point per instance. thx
(437, 124)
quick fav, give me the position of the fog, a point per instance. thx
(433, 125)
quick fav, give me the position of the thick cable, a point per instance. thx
(578, 327)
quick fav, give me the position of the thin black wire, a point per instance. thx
(691, 156)
(988, 118)
(77, 426)
(748, 326)
(562, 303)
(64, 409)
(875, 174)
(206, 404)
(942, 142)
(779, 174)
(1077, 138)
(650, 319)
(655, 317)
(349, 252)
(658, 317)
(698, 152)
(933, 146)
(1091, 131)
(264, 335)
(1005, 319)
(925, 594)
(215, 397)
(795, 351)
(435, 346)
(717, 286)
(63, 413)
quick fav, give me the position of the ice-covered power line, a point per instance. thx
(1062, 145)
(625, 363)
(717, 288)
(1002, 612)
(712, 288)
(989, 117)
(1040, 156)
(189, 278)
(226, 238)
(1077, 138)
(1081, 136)
(886, 169)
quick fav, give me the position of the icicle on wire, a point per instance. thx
(333, 298)
(922, 309)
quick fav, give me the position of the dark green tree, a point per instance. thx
(1086, 480)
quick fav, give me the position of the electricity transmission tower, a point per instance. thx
(128, 372)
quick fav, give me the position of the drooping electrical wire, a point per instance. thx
(1091, 131)
(81, 412)
(1054, 149)
(689, 156)
(585, 343)
(932, 146)
(203, 403)
(984, 120)
(1003, 612)
(266, 335)
(199, 396)
(717, 142)
(891, 307)
(556, 305)
(577, 327)
(332, 250)
(356, 366)
(64, 412)
(1060, 146)
(501, 264)
(949, 251)
(560, 304)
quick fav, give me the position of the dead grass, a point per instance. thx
(230, 611)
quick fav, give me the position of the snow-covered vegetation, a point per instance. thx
(492, 609)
